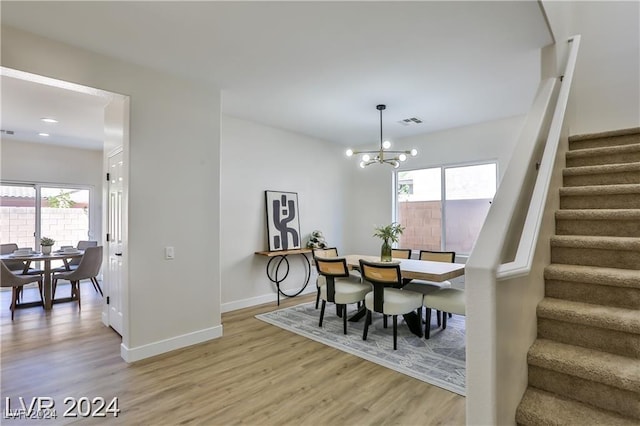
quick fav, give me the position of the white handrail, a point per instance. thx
(521, 265)
(504, 249)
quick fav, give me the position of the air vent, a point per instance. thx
(410, 121)
(6, 132)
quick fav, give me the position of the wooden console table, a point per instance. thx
(281, 257)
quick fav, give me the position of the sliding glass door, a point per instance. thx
(29, 212)
(18, 215)
(469, 191)
(444, 208)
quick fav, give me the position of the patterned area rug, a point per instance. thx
(439, 361)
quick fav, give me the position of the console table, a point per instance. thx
(277, 276)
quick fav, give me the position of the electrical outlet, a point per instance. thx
(169, 253)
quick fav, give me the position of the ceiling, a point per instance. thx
(314, 68)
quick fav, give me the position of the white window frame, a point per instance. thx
(442, 167)
(38, 212)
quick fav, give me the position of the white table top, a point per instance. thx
(416, 269)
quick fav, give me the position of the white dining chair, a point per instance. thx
(386, 298)
(339, 287)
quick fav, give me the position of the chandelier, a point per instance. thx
(383, 155)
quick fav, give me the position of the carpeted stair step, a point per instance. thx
(604, 328)
(589, 284)
(600, 197)
(544, 408)
(603, 222)
(597, 140)
(603, 380)
(607, 252)
(608, 174)
(617, 154)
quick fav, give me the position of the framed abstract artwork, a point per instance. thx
(283, 221)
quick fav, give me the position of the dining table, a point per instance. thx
(410, 269)
(47, 293)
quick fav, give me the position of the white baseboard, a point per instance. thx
(168, 345)
(259, 300)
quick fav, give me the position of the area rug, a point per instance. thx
(439, 361)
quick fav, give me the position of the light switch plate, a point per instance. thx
(169, 253)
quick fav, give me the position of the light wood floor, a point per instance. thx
(256, 374)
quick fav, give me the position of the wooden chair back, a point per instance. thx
(401, 253)
(380, 275)
(438, 256)
(332, 266)
(325, 252)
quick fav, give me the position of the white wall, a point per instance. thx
(255, 158)
(372, 189)
(606, 87)
(30, 162)
(173, 161)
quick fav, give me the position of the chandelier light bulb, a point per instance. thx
(396, 164)
(349, 152)
(362, 164)
(402, 157)
(366, 158)
(386, 144)
(414, 152)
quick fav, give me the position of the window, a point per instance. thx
(430, 223)
(30, 211)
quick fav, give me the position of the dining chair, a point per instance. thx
(427, 287)
(401, 253)
(17, 282)
(74, 262)
(325, 253)
(88, 268)
(339, 287)
(19, 267)
(449, 300)
(438, 256)
(387, 297)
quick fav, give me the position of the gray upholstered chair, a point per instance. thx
(387, 298)
(339, 287)
(19, 267)
(16, 282)
(449, 300)
(88, 268)
(73, 263)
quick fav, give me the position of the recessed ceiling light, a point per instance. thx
(43, 134)
(49, 120)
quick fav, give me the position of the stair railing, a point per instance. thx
(503, 276)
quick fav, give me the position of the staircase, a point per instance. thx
(584, 367)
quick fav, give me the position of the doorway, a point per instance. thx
(57, 180)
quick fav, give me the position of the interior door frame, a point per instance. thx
(117, 118)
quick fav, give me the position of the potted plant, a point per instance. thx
(389, 234)
(46, 244)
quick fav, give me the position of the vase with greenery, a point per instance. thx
(46, 244)
(389, 235)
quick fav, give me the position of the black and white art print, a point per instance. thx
(283, 222)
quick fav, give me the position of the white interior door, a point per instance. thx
(115, 271)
